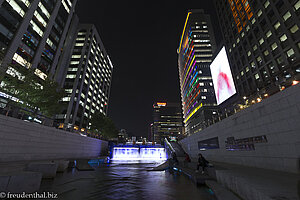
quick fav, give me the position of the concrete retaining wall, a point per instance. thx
(277, 117)
(26, 141)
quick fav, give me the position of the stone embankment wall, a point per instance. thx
(26, 141)
(265, 135)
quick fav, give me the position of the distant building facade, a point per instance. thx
(195, 51)
(87, 78)
(167, 121)
(262, 39)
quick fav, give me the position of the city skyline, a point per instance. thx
(141, 76)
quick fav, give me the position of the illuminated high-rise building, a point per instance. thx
(195, 51)
(87, 78)
(32, 35)
(262, 39)
(167, 121)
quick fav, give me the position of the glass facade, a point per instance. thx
(32, 33)
(88, 79)
(167, 121)
(195, 52)
(264, 50)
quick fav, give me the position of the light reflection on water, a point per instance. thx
(126, 181)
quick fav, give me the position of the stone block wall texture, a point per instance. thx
(277, 117)
(27, 141)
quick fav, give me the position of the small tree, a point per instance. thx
(35, 93)
(104, 125)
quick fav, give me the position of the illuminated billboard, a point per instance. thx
(222, 77)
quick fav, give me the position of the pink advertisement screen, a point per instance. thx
(222, 77)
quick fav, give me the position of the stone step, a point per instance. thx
(48, 169)
(220, 192)
(19, 182)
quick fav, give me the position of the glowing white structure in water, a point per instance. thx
(134, 153)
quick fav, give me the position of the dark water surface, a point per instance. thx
(125, 181)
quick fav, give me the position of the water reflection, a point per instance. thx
(126, 181)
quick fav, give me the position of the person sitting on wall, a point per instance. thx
(201, 162)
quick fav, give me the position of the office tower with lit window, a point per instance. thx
(167, 121)
(262, 39)
(87, 79)
(196, 48)
(32, 35)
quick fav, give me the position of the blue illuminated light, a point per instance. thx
(134, 153)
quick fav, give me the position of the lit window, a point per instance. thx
(279, 60)
(71, 76)
(242, 73)
(259, 59)
(249, 53)
(72, 69)
(76, 56)
(74, 62)
(268, 34)
(237, 40)
(283, 38)
(290, 52)
(21, 61)
(203, 97)
(79, 44)
(267, 3)
(261, 41)
(255, 47)
(80, 39)
(276, 26)
(26, 2)
(286, 16)
(36, 28)
(266, 52)
(297, 5)
(16, 7)
(247, 28)
(242, 34)
(294, 29)
(44, 10)
(65, 6)
(13, 72)
(66, 99)
(247, 69)
(256, 76)
(259, 13)
(40, 74)
(253, 21)
(40, 18)
(274, 46)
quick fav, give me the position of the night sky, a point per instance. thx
(141, 39)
